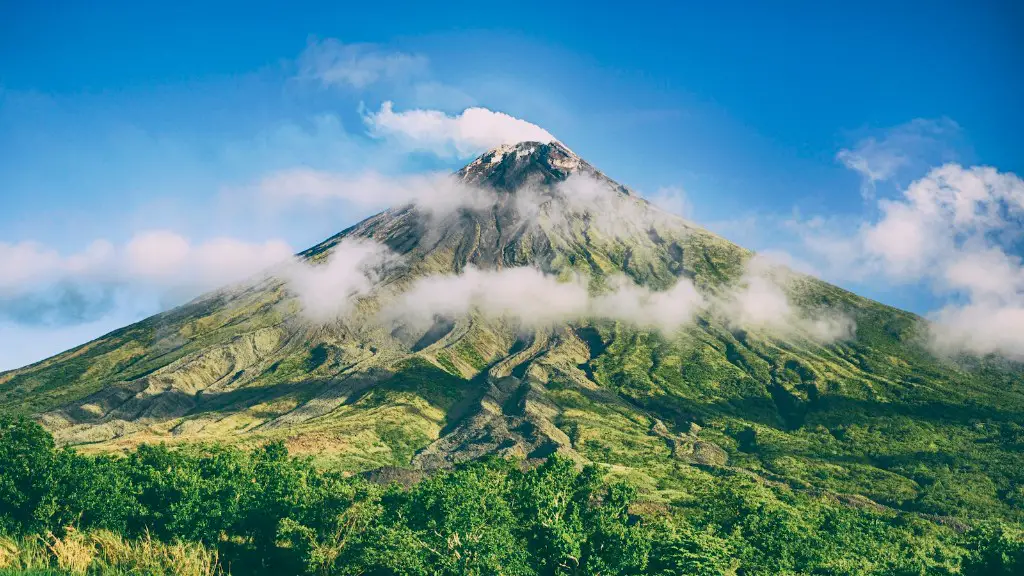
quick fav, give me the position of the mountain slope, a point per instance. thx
(874, 419)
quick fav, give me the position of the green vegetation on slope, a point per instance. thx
(852, 418)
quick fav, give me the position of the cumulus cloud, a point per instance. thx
(881, 157)
(759, 302)
(957, 231)
(41, 278)
(28, 265)
(471, 132)
(961, 229)
(955, 227)
(334, 63)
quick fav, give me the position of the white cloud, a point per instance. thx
(51, 301)
(759, 302)
(980, 328)
(164, 258)
(973, 223)
(957, 231)
(950, 211)
(158, 259)
(435, 192)
(158, 255)
(609, 212)
(327, 291)
(673, 200)
(356, 65)
(523, 294)
(666, 310)
(464, 135)
(531, 298)
(27, 265)
(986, 275)
(883, 156)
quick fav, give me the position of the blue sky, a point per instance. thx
(118, 120)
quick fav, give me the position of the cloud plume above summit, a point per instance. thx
(468, 133)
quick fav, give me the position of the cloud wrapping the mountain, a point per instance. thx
(441, 193)
(759, 302)
(531, 298)
(466, 134)
(328, 290)
(666, 310)
(525, 295)
(608, 210)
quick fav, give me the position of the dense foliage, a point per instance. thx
(267, 512)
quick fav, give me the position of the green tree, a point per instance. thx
(28, 495)
(994, 549)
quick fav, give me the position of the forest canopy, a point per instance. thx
(264, 511)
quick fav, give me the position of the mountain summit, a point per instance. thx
(510, 166)
(545, 308)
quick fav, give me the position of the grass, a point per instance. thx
(103, 553)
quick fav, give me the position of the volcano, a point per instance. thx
(850, 412)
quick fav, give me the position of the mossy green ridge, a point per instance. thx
(874, 422)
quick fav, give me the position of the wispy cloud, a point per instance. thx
(530, 298)
(672, 199)
(433, 192)
(333, 63)
(882, 156)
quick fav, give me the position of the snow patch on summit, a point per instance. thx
(498, 154)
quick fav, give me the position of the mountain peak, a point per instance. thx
(509, 166)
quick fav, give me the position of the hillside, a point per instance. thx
(870, 418)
